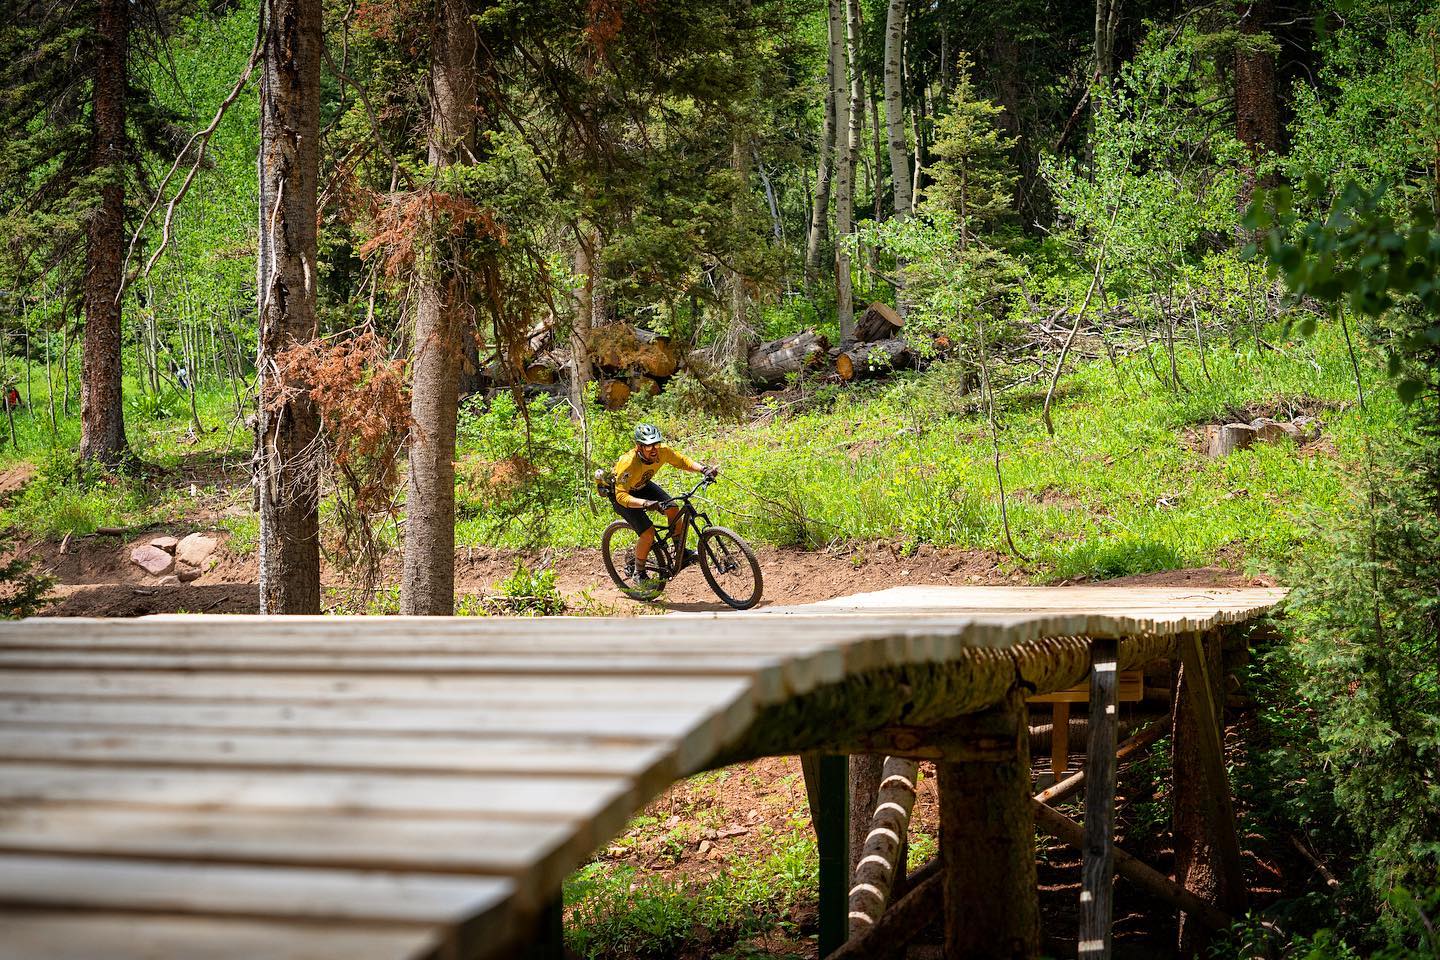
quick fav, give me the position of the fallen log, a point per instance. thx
(771, 362)
(873, 359)
(619, 346)
(878, 322)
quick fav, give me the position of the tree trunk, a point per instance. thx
(580, 368)
(820, 211)
(286, 463)
(844, 163)
(737, 331)
(428, 584)
(1107, 23)
(894, 108)
(1257, 115)
(102, 409)
(1197, 852)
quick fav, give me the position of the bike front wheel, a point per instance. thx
(730, 567)
(617, 550)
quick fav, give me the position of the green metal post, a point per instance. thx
(827, 782)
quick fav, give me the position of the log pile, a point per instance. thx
(878, 349)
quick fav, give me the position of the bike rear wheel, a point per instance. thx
(730, 567)
(617, 549)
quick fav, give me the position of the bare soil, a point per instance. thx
(95, 577)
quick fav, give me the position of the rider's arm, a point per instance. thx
(677, 459)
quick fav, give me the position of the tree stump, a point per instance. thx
(1221, 441)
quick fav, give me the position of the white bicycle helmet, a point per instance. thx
(647, 433)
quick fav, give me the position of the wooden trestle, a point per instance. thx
(233, 787)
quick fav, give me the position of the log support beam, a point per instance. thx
(987, 843)
(1207, 849)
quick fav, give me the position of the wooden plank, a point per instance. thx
(32, 880)
(334, 839)
(633, 722)
(519, 797)
(72, 935)
(424, 690)
(587, 755)
(1098, 870)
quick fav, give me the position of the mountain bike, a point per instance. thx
(728, 563)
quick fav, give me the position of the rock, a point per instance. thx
(170, 581)
(168, 544)
(704, 847)
(186, 572)
(195, 548)
(152, 560)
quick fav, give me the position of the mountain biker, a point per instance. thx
(636, 490)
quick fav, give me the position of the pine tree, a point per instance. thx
(973, 171)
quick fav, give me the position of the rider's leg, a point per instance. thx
(642, 548)
(677, 523)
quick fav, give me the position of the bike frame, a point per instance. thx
(695, 520)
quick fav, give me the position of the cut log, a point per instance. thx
(541, 372)
(619, 346)
(1221, 441)
(647, 386)
(771, 362)
(861, 360)
(878, 322)
(1273, 431)
(614, 394)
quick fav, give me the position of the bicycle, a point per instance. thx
(728, 563)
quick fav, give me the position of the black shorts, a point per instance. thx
(638, 519)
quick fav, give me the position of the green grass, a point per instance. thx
(617, 910)
(1117, 490)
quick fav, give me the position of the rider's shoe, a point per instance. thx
(630, 569)
(691, 556)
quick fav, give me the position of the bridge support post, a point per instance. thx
(827, 784)
(987, 840)
(1207, 850)
(1098, 874)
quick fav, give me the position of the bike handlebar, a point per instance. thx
(701, 485)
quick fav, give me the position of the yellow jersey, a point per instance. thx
(631, 472)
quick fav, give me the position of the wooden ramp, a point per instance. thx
(219, 787)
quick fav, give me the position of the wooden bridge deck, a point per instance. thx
(389, 787)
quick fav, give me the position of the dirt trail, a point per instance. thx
(95, 577)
